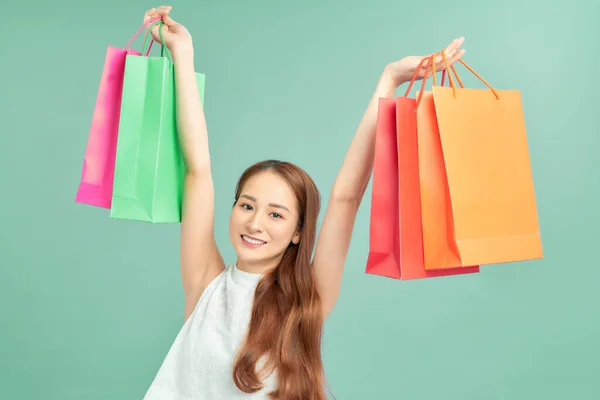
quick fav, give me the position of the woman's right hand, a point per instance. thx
(177, 38)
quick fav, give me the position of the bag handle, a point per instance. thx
(162, 39)
(412, 81)
(450, 71)
(474, 73)
(431, 65)
(144, 25)
(455, 75)
(144, 44)
(146, 38)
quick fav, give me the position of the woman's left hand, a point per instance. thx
(403, 70)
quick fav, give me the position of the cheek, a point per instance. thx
(235, 219)
(282, 230)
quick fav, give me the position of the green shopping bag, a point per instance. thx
(149, 168)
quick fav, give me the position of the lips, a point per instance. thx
(251, 241)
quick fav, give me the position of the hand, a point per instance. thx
(176, 35)
(402, 71)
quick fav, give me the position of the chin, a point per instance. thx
(248, 252)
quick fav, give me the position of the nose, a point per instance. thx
(256, 223)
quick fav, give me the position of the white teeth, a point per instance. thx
(252, 241)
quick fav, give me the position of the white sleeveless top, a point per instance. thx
(199, 364)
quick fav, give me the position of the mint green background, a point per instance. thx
(89, 306)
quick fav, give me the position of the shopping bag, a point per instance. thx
(477, 190)
(149, 168)
(436, 225)
(96, 183)
(395, 243)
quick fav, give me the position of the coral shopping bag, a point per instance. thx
(96, 184)
(396, 247)
(149, 167)
(477, 193)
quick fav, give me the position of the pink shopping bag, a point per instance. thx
(96, 185)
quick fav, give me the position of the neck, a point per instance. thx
(259, 266)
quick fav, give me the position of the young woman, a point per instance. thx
(253, 328)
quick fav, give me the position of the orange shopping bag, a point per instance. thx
(477, 192)
(396, 246)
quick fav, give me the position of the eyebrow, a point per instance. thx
(270, 204)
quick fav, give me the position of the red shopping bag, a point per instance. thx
(396, 243)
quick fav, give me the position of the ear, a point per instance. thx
(296, 237)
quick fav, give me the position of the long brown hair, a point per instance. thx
(287, 319)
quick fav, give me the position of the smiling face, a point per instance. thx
(263, 221)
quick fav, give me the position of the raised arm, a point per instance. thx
(201, 261)
(350, 185)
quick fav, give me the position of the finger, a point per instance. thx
(450, 60)
(168, 21)
(151, 13)
(164, 10)
(456, 57)
(439, 58)
(454, 46)
(451, 49)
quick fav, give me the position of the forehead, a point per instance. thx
(267, 187)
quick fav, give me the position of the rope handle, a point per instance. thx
(144, 44)
(429, 60)
(162, 39)
(474, 73)
(144, 25)
(455, 75)
(430, 66)
(427, 68)
(449, 71)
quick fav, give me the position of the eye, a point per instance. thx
(276, 215)
(246, 206)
